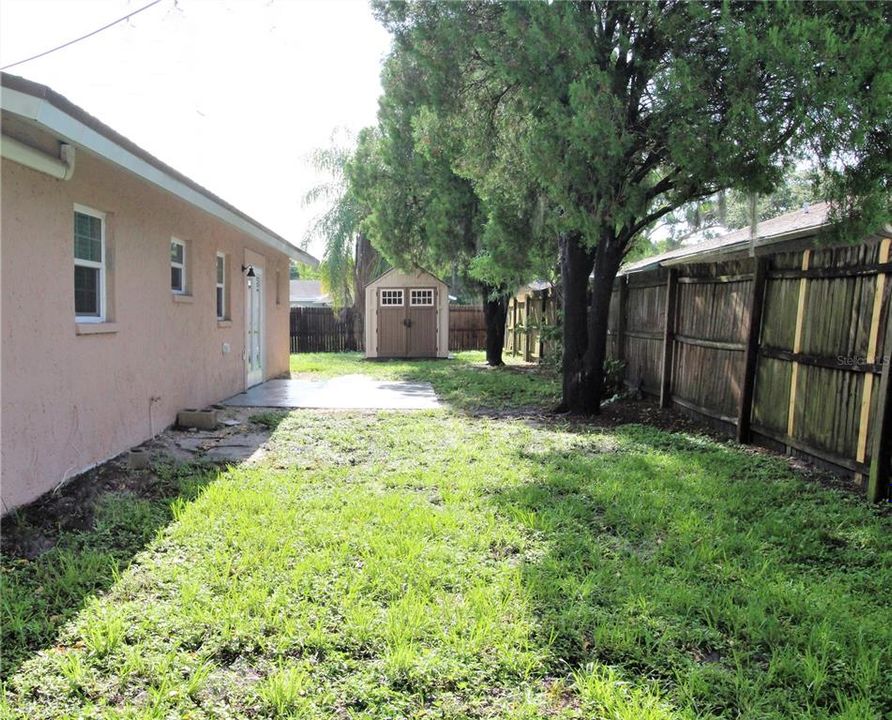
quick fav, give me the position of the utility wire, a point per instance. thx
(82, 37)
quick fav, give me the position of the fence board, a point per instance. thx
(467, 328)
(708, 377)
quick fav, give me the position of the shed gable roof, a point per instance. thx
(418, 271)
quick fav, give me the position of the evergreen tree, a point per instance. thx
(621, 113)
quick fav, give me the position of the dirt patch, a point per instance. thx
(613, 414)
(32, 530)
(705, 656)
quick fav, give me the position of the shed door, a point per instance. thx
(422, 322)
(392, 335)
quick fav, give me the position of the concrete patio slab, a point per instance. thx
(347, 392)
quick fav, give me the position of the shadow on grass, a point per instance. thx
(736, 587)
(66, 547)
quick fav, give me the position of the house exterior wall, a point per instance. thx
(69, 401)
(398, 279)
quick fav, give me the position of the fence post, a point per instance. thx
(881, 456)
(668, 339)
(797, 345)
(517, 317)
(543, 321)
(527, 355)
(873, 340)
(621, 319)
(757, 302)
(509, 331)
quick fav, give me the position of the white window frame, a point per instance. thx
(183, 290)
(220, 285)
(101, 216)
(413, 303)
(391, 293)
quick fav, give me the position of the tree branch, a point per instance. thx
(630, 231)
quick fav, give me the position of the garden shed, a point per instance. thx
(407, 315)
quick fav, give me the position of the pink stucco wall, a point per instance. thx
(69, 401)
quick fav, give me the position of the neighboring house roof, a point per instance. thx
(807, 220)
(308, 292)
(44, 106)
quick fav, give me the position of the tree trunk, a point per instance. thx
(349, 318)
(607, 262)
(495, 313)
(366, 258)
(576, 266)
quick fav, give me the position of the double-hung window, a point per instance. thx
(177, 266)
(221, 286)
(89, 265)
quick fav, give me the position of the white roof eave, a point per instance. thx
(80, 135)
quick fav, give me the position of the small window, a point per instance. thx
(177, 266)
(392, 297)
(89, 265)
(422, 296)
(221, 286)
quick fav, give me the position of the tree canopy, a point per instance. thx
(342, 271)
(425, 211)
(614, 115)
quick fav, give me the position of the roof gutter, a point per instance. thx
(61, 168)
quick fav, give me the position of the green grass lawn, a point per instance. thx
(445, 565)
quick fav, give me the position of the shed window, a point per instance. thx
(177, 266)
(421, 297)
(89, 265)
(392, 297)
(221, 286)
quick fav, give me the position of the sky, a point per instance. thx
(235, 94)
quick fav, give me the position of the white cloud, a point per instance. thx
(234, 94)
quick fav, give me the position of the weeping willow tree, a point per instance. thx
(349, 261)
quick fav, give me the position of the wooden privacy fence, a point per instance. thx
(785, 349)
(321, 329)
(467, 328)
(789, 349)
(530, 312)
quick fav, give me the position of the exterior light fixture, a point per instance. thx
(248, 270)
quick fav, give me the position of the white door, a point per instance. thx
(254, 328)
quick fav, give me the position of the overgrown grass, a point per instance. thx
(464, 381)
(444, 566)
(39, 594)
